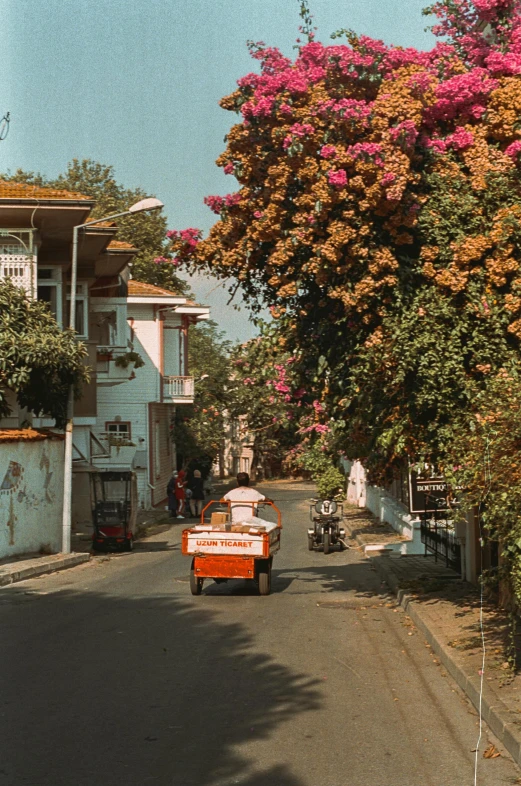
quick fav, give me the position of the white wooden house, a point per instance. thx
(136, 407)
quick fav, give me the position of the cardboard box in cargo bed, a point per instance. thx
(219, 517)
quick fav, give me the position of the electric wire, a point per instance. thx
(488, 483)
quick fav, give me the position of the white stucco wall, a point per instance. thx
(31, 496)
(382, 505)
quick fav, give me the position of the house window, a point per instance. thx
(50, 290)
(81, 325)
(118, 428)
(245, 462)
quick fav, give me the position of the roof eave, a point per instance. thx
(16, 201)
(152, 300)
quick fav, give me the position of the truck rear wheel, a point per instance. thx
(264, 578)
(196, 584)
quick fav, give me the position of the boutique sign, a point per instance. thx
(429, 494)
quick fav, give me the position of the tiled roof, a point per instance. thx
(120, 244)
(10, 190)
(101, 224)
(25, 435)
(139, 289)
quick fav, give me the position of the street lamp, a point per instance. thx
(141, 206)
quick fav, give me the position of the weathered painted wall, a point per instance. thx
(31, 496)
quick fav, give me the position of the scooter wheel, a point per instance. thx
(311, 543)
(327, 543)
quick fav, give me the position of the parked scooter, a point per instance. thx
(326, 530)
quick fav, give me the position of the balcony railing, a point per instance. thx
(21, 269)
(175, 388)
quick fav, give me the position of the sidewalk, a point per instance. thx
(29, 566)
(18, 569)
(446, 610)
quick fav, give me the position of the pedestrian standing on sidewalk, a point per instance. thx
(196, 501)
(180, 494)
(170, 490)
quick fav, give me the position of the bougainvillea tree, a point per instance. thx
(378, 215)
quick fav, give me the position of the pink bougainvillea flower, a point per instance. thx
(337, 177)
(461, 139)
(215, 203)
(514, 149)
(328, 151)
(388, 179)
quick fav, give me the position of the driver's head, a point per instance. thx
(243, 479)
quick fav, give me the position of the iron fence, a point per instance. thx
(439, 538)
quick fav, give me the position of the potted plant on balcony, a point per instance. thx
(123, 361)
(122, 449)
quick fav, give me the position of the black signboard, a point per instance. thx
(427, 494)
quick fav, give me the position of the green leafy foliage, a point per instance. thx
(318, 458)
(269, 420)
(484, 461)
(38, 361)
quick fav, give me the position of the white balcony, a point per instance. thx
(178, 389)
(21, 269)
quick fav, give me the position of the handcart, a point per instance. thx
(221, 550)
(114, 509)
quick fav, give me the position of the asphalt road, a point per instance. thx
(112, 673)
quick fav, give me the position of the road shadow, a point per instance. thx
(329, 577)
(100, 689)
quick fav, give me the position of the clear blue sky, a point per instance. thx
(137, 85)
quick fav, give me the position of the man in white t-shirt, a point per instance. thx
(243, 493)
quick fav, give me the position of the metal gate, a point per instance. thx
(438, 536)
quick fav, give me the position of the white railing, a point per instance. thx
(178, 387)
(21, 269)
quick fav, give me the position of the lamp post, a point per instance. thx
(139, 207)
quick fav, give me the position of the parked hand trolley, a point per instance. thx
(222, 550)
(326, 530)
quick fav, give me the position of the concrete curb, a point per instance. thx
(495, 713)
(29, 569)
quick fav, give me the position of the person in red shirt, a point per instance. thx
(180, 493)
